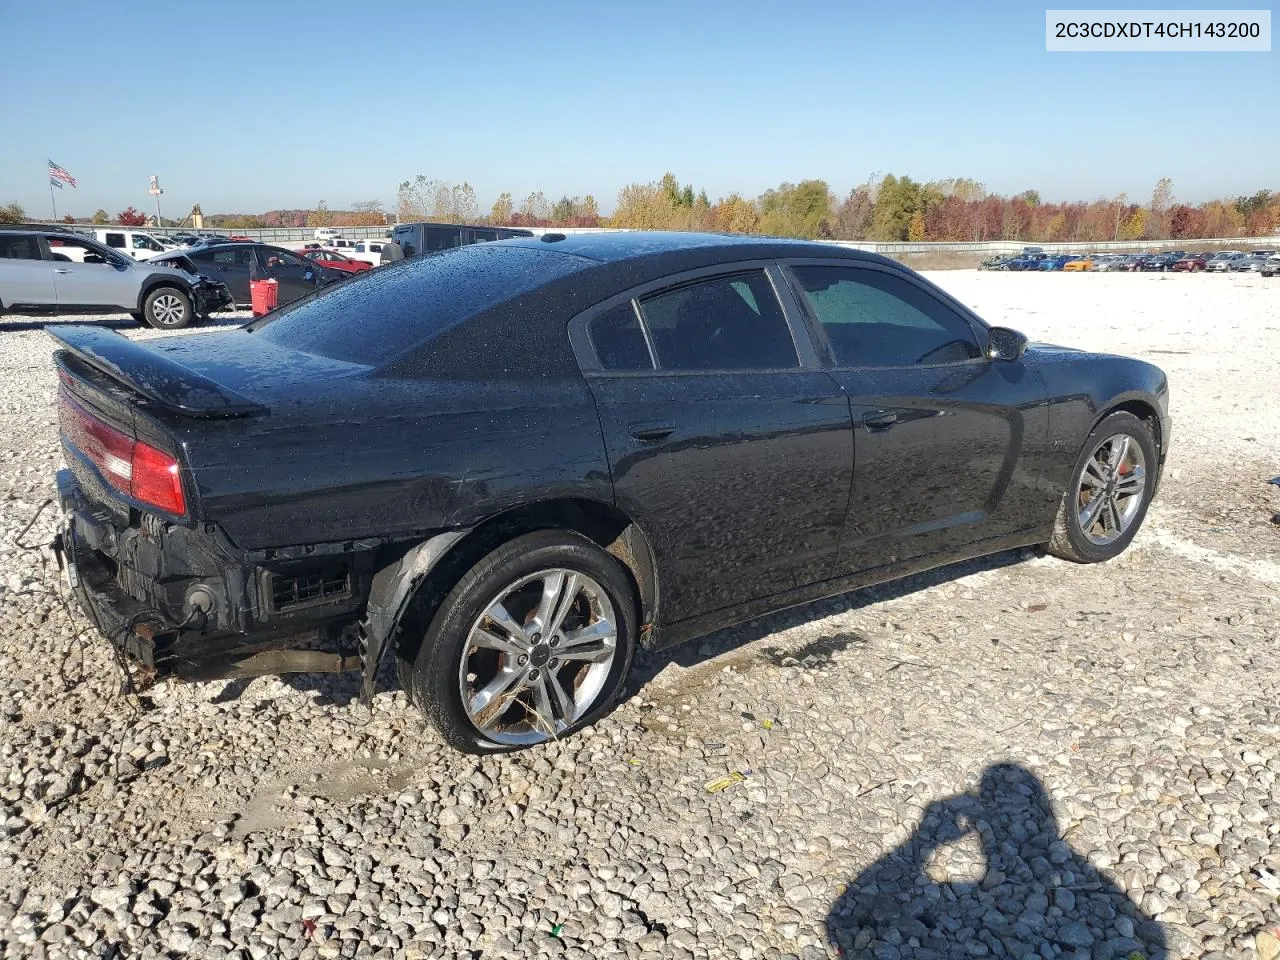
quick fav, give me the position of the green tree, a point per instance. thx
(797, 210)
(12, 213)
(503, 210)
(562, 211)
(896, 202)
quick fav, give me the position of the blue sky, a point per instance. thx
(245, 106)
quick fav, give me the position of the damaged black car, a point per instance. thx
(511, 465)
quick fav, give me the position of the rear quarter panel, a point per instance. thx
(395, 459)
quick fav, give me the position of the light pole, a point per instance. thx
(155, 191)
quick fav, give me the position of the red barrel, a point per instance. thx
(263, 293)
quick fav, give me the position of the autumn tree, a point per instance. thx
(915, 229)
(503, 209)
(1135, 227)
(129, 217)
(12, 213)
(100, 217)
(366, 213)
(735, 214)
(853, 217)
(1157, 226)
(320, 216)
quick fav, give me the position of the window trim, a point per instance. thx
(801, 337)
(978, 327)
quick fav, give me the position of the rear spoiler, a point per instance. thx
(151, 374)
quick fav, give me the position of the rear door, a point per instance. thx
(727, 444)
(26, 278)
(230, 265)
(947, 443)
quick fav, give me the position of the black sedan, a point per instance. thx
(235, 264)
(511, 464)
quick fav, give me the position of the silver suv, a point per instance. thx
(47, 270)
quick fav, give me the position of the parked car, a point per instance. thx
(993, 263)
(1221, 261)
(1056, 262)
(1191, 262)
(47, 270)
(368, 251)
(1162, 262)
(1078, 264)
(1248, 264)
(327, 233)
(725, 426)
(235, 263)
(419, 238)
(137, 244)
(1271, 268)
(337, 261)
(1108, 263)
(1026, 261)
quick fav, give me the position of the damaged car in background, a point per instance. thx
(511, 465)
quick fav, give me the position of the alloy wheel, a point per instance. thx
(1112, 486)
(167, 309)
(537, 659)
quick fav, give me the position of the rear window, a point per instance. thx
(379, 314)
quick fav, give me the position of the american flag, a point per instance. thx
(58, 176)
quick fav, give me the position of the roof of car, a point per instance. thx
(615, 246)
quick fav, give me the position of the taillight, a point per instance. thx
(134, 468)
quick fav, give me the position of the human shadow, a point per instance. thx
(1027, 895)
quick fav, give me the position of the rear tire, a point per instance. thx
(492, 682)
(1106, 502)
(168, 308)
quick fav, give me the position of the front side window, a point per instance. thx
(619, 341)
(726, 323)
(278, 258)
(875, 319)
(141, 242)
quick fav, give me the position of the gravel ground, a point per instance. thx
(1013, 757)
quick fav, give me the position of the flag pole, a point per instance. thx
(53, 201)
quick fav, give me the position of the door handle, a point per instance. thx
(651, 432)
(879, 420)
(61, 270)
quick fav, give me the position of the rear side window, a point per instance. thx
(619, 341)
(234, 256)
(19, 248)
(875, 319)
(115, 240)
(442, 239)
(379, 314)
(726, 323)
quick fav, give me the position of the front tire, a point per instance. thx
(532, 644)
(168, 308)
(1110, 490)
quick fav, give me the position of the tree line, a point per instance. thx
(884, 208)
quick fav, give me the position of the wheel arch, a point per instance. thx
(413, 580)
(155, 281)
(1145, 410)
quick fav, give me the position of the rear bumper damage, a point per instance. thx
(183, 602)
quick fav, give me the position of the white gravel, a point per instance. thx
(1015, 757)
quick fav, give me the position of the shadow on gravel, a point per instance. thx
(649, 664)
(1030, 895)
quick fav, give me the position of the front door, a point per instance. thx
(89, 276)
(946, 442)
(297, 277)
(733, 458)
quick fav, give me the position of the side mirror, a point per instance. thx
(1006, 344)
